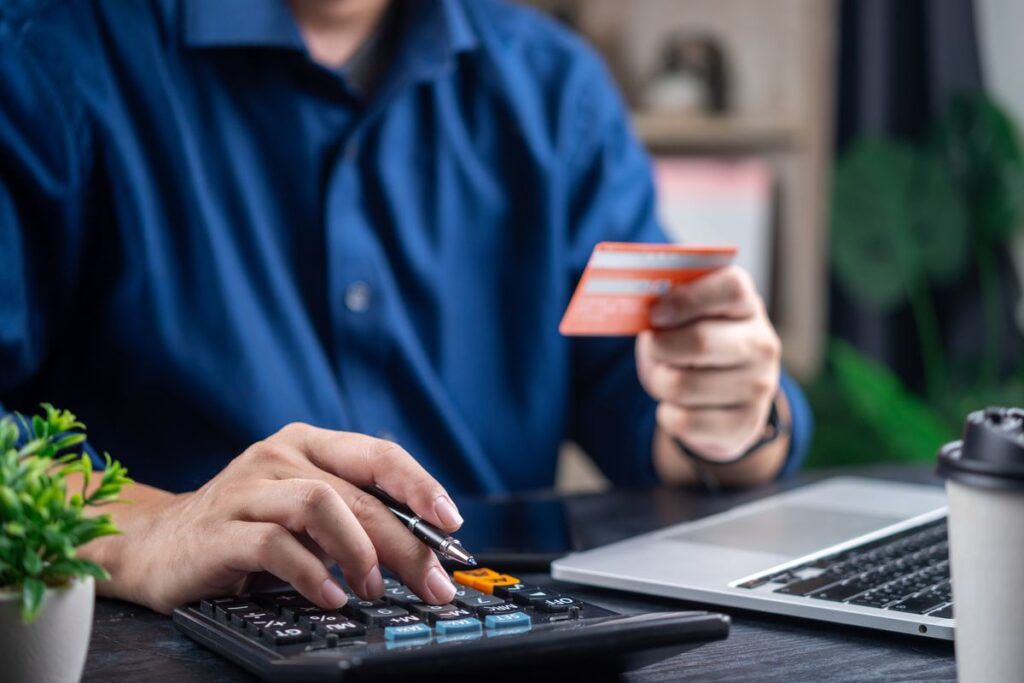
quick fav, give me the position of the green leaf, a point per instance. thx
(86, 464)
(77, 567)
(913, 428)
(982, 149)
(68, 441)
(897, 222)
(869, 215)
(938, 222)
(39, 427)
(32, 592)
(33, 564)
(31, 447)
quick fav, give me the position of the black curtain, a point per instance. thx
(900, 62)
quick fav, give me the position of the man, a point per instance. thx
(220, 217)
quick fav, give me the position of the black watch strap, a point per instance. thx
(775, 429)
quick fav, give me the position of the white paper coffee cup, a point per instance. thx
(985, 486)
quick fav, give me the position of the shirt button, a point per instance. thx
(351, 150)
(358, 296)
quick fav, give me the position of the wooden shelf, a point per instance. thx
(668, 132)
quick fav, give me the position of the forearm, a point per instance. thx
(133, 516)
(675, 468)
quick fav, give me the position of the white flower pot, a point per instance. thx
(51, 649)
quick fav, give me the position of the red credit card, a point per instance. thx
(622, 280)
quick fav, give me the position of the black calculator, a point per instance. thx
(496, 625)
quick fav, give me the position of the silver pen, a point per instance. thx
(445, 545)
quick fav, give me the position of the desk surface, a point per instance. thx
(129, 639)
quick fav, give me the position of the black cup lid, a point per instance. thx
(991, 454)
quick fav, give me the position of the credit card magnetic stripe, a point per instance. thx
(657, 260)
(629, 286)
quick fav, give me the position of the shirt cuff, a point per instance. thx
(801, 425)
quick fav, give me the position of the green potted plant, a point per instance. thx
(46, 591)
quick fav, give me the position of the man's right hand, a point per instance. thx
(288, 505)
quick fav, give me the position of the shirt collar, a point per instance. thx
(239, 23)
(439, 31)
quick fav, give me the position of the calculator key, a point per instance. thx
(287, 636)
(345, 628)
(557, 603)
(373, 616)
(458, 627)
(311, 620)
(240, 618)
(280, 599)
(435, 613)
(401, 596)
(256, 626)
(404, 620)
(532, 598)
(225, 610)
(510, 620)
(467, 576)
(296, 612)
(408, 632)
(352, 607)
(473, 602)
(503, 608)
(488, 584)
(506, 591)
(465, 592)
(259, 627)
(209, 607)
(476, 578)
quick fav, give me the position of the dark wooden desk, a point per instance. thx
(132, 643)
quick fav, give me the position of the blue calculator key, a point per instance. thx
(407, 632)
(458, 627)
(510, 620)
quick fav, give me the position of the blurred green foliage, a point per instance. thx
(907, 220)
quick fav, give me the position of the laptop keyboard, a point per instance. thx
(904, 572)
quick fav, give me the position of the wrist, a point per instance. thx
(761, 465)
(131, 557)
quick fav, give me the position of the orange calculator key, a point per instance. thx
(486, 584)
(483, 579)
(468, 577)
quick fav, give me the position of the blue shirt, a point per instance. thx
(205, 235)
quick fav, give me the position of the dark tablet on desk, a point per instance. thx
(515, 534)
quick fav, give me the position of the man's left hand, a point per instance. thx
(712, 362)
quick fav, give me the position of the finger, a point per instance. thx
(706, 387)
(262, 546)
(314, 507)
(394, 544)
(708, 343)
(713, 432)
(366, 461)
(726, 293)
(400, 551)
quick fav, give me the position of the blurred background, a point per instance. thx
(865, 156)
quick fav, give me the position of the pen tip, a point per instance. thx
(471, 561)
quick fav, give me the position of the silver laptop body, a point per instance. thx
(707, 560)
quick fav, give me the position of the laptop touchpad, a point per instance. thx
(786, 529)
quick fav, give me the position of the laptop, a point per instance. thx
(862, 552)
